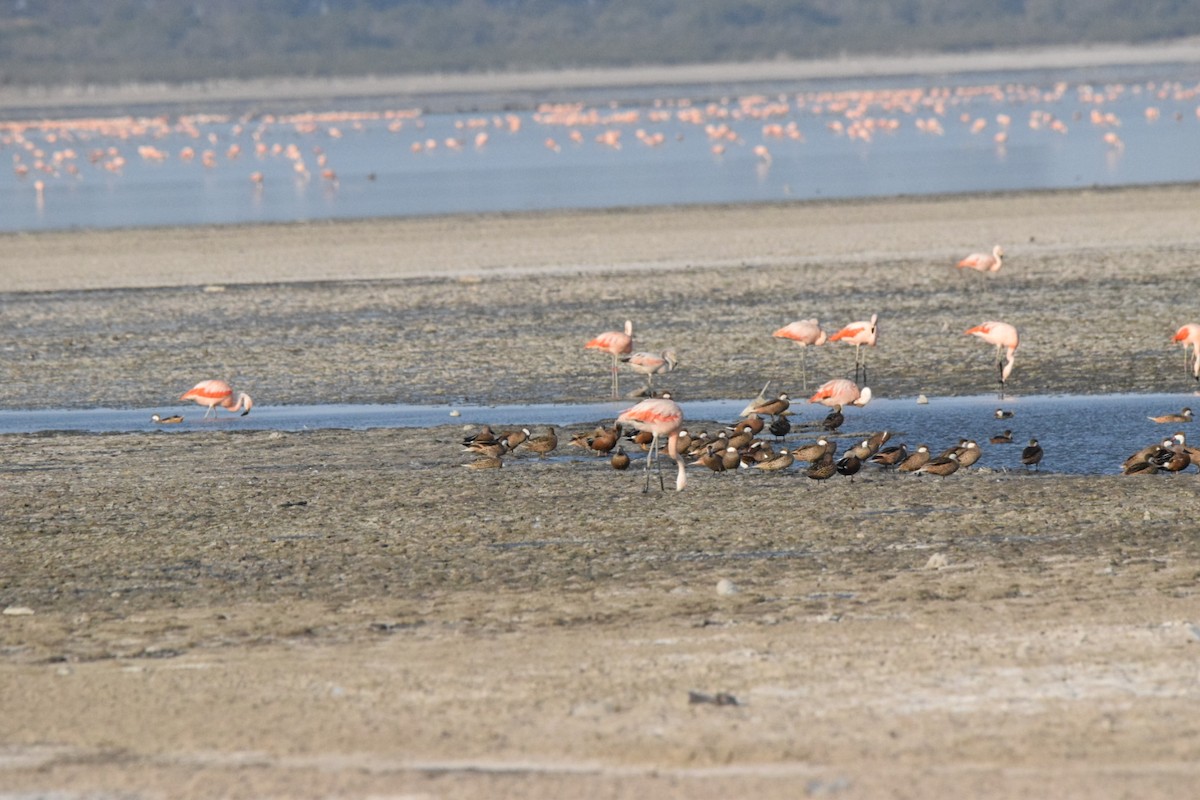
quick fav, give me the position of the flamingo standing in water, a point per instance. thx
(215, 393)
(617, 344)
(858, 334)
(841, 392)
(1004, 336)
(984, 262)
(1189, 336)
(658, 416)
(804, 332)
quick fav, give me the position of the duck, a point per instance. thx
(1002, 438)
(780, 426)
(848, 465)
(969, 454)
(1031, 456)
(781, 461)
(543, 444)
(171, 420)
(942, 465)
(834, 419)
(890, 456)
(915, 460)
(487, 462)
(484, 435)
(620, 459)
(812, 452)
(768, 407)
(515, 439)
(822, 469)
(711, 459)
(1183, 416)
(1002, 413)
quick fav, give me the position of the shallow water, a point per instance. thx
(397, 162)
(1088, 435)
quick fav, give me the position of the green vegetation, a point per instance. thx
(83, 41)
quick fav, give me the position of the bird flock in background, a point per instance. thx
(658, 420)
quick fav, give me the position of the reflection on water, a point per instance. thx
(772, 142)
(1081, 435)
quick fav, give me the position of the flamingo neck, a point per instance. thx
(673, 452)
(235, 405)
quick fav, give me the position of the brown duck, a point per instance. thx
(543, 444)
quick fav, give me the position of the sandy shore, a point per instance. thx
(351, 614)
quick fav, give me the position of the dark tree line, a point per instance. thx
(83, 41)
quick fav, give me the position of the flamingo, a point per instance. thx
(617, 344)
(1189, 336)
(863, 332)
(1004, 336)
(651, 364)
(984, 262)
(841, 392)
(215, 393)
(803, 332)
(659, 417)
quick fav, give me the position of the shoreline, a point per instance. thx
(564, 242)
(504, 88)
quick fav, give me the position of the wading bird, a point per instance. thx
(617, 344)
(213, 393)
(841, 392)
(659, 417)
(1004, 336)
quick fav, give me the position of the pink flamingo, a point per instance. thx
(617, 344)
(841, 392)
(1189, 336)
(805, 333)
(1004, 336)
(984, 262)
(859, 334)
(659, 417)
(651, 364)
(218, 393)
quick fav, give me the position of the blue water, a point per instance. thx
(1081, 435)
(136, 174)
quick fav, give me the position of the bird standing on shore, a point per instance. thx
(213, 393)
(615, 343)
(984, 262)
(805, 333)
(651, 364)
(1189, 336)
(1031, 456)
(1004, 336)
(860, 334)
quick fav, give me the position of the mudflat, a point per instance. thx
(338, 613)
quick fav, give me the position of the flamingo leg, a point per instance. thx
(649, 461)
(615, 381)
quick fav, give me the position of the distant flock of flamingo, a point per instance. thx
(61, 149)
